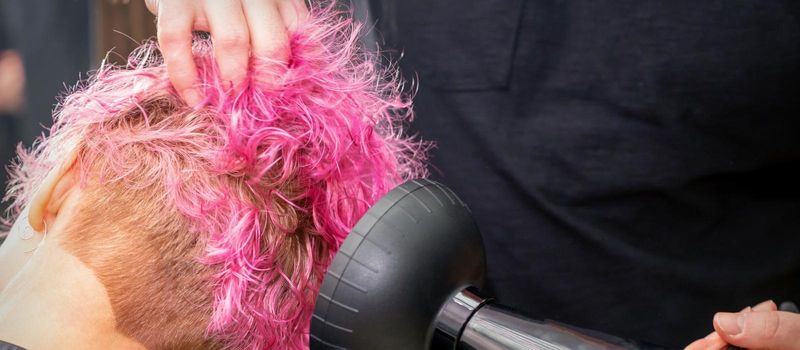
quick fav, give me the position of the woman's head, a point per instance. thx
(213, 224)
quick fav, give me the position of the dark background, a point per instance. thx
(60, 41)
(633, 165)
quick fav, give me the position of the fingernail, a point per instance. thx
(731, 324)
(192, 97)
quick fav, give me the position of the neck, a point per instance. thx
(56, 302)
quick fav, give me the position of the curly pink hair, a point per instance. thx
(272, 177)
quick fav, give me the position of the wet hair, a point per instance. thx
(212, 225)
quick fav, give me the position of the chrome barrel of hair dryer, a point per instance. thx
(407, 277)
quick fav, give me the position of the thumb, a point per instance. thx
(774, 330)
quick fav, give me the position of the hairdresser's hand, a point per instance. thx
(239, 29)
(760, 327)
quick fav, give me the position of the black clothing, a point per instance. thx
(634, 165)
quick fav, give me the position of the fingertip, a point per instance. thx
(729, 324)
(232, 39)
(714, 341)
(183, 76)
(175, 44)
(765, 330)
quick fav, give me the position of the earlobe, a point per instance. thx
(52, 192)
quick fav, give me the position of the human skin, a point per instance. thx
(240, 29)
(770, 329)
(759, 327)
(50, 299)
(213, 224)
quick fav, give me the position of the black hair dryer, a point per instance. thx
(408, 277)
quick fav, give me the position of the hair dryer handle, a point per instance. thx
(471, 322)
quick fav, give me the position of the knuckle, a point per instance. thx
(772, 325)
(768, 326)
(232, 40)
(168, 37)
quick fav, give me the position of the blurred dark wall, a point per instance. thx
(119, 27)
(53, 38)
(7, 128)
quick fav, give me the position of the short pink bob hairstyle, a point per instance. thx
(269, 180)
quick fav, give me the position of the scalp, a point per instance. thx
(216, 224)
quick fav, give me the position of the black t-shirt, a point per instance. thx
(634, 165)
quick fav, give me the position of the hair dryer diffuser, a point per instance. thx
(406, 277)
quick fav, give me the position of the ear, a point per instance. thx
(48, 200)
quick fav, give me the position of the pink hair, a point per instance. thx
(330, 120)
